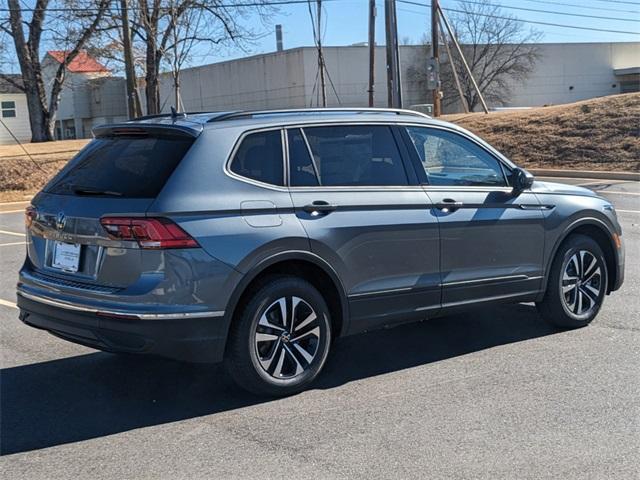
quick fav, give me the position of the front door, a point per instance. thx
(492, 241)
(360, 203)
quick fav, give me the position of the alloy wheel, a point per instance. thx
(287, 337)
(582, 282)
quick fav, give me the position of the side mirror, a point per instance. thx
(521, 180)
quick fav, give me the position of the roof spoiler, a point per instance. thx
(146, 130)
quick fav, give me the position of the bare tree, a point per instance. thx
(183, 40)
(163, 27)
(71, 23)
(498, 47)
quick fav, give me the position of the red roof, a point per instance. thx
(82, 62)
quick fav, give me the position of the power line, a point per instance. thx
(618, 1)
(575, 27)
(22, 146)
(549, 12)
(564, 4)
(270, 3)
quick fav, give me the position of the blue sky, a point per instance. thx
(345, 23)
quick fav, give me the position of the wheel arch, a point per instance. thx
(305, 264)
(601, 233)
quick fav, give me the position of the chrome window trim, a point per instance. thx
(76, 307)
(359, 188)
(381, 188)
(333, 188)
(501, 163)
(250, 181)
(455, 129)
(466, 188)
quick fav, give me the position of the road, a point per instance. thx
(491, 394)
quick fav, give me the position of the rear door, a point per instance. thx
(492, 241)
(118, 174)
(364, 212)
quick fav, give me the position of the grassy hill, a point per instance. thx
(598, 134)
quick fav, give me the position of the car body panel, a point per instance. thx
(491, 245)
(380, 242)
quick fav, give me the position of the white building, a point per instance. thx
(90, 95)
(564, 73)
(13, 113)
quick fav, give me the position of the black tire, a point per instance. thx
(250, 361)
(563, 309)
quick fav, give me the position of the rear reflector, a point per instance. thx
(155, 233)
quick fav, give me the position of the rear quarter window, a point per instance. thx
(133, 167)
(259, 157)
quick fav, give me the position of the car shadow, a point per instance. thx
(88, 396)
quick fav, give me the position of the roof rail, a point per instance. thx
(293, 111)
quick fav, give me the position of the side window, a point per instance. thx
(259, 157)
(452, 160)
(364, 155)
(303, 172)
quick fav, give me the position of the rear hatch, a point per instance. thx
(85, 226)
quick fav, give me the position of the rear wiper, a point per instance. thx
(92, 191)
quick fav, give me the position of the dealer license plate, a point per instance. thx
(66, 256)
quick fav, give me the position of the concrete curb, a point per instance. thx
(598, 175)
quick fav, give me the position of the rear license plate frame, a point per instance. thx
(66, 256)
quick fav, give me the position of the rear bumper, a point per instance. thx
(186, 336)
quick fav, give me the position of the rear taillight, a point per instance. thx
(148, 232)
(30, 214)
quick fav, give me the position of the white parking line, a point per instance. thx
(6, 232)
(12, 244)
(6, 303)
(12, 211)
(601, 182)
(618, 192)
(627, 211)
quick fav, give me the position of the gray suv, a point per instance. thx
(258, 238)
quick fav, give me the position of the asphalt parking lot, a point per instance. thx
(491, 394)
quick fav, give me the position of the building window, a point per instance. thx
(8, 109)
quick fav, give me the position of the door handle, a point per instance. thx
(448, 205)
(318, 207)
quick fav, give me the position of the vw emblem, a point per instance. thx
(61, 221)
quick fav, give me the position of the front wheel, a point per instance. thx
(280, 340)
(577, 284)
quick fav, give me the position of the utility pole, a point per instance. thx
(323, 86)
(396, 54)
(394, 89)
(388, 49)
(463, 100)
(435, 53)
(133, 102)
(372, 49)
(464, 60)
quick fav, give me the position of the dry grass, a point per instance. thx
(21, 176)
(598, 134)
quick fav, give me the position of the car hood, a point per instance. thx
(561, 188)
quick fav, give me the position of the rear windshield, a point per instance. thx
(133, 167)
